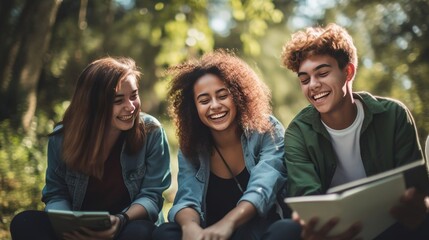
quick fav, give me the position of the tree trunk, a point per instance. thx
(25, 62)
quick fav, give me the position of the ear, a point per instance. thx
(350, 71)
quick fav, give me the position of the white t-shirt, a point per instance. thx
(347, 147)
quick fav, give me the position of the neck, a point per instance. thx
(226, 139)
(111, 136)
(342, 117)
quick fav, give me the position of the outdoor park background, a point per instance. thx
(44, 45)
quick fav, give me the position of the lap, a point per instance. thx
(283, 229)
(287, 229)
(31, 224)
(251, 230)
(34, 224)
(398, 231)
(137, 229)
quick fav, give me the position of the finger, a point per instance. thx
(312, 223)
(351, 232)
(308, 228)
(327, 227)
(409, 194)
(295, 216)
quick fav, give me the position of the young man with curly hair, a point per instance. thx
(344, 135)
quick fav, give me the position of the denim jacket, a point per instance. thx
(263, 156)
(146, 174)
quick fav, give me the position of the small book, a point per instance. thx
(366, 200)
(66, 221)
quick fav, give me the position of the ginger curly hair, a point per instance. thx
(332, 40)
(250, 95)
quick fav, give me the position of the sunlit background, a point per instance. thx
(46, 44)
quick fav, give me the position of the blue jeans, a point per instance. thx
(287, 229)
(251, 230)
(33, 224)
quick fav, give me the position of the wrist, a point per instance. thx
(125, 215)
(190, 225)
(123, 221)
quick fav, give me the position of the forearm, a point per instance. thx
(187, 216)
(241, 214)
(137, 211)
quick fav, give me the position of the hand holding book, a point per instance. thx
(412, 210)
(309, 230)
(368, 201)
(69, 221)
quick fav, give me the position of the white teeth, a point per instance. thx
(124, 118)
(320, 95)
(219, 115)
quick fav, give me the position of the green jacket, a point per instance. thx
(388, 139)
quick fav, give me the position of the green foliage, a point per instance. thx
(22, 166)
(391, 37)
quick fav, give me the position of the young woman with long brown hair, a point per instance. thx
(105, 155)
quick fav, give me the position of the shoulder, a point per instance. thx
(149, 119)
(151, 124)
(276, 123)
(378, 104)
(276, 127)
(307, 116)
(274, 135)
(57, 129)
(56, 133)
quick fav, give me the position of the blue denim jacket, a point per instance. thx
(263, 156)
(146, 174)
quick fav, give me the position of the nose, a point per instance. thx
(215, 104)
(130, 106)
(314, 83)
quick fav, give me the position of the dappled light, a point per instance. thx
(45, 44)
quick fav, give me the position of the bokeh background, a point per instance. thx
(45, 44)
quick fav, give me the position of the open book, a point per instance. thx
(366, 200)
(66, 221)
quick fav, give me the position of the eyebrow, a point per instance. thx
(121, 95)
(206, 94)
(315, 69)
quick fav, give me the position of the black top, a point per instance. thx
(223, 195)
(110, 193)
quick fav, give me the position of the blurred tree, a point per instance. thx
(156, 34)
(392, 39)
(37, 75)
(22, 55)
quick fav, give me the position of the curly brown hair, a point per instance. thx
(332, 40)
(250, 94)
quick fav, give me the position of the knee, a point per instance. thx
(21, 219)
(284, 229)
(167, 231)
(20, 223)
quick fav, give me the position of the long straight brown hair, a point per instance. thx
(89, 115)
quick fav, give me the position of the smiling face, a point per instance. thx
(325, 85)
(126, 105)
(214, 103)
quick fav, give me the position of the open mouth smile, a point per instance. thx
(126, 117)
(320, 95)
(217, 116)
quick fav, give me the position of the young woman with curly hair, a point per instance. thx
(105, 155)
(231, 151)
